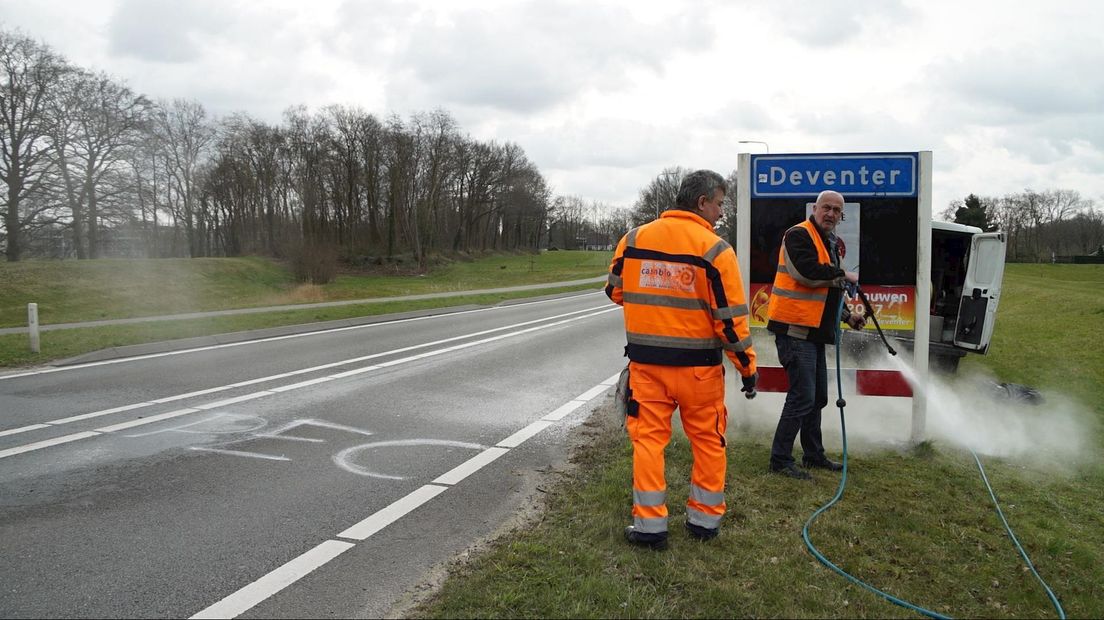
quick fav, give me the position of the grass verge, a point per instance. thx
(918, 525)
(73, 291)
(65, 343)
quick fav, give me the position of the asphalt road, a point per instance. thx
(307, 475)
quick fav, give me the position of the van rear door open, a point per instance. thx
(977, 310)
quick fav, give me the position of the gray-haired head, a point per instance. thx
(697, 184)
(827, 195)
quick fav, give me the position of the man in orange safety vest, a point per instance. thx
(684, 305)
(804, 314)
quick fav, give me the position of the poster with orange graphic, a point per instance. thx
(760, 299)
(894, 306)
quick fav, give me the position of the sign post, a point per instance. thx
(32, 326)
(885, 234)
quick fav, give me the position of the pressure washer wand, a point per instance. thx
(855, 288)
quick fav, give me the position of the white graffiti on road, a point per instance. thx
(344, 459)
(348, 459)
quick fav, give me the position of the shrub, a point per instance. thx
(314, 262)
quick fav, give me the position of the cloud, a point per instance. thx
(163, 30)
(832, 24)
(603, 142)
(746, 119)
(530, 57)
(1041, 105)
(1025, 83)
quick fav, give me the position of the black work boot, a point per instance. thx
(654, 541)
(701, 533)
(821, 463)
(790, 470)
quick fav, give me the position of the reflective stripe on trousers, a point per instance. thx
(698, 392)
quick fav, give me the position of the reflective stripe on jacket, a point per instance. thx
(795, 299)
(682, 294)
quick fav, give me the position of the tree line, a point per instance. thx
(89, 165)
(1039, 226)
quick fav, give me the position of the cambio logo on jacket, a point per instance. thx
(669, 276)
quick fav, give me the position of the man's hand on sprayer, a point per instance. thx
(850, 283)
(749, 385)
(856, 321)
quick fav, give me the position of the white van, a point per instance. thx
(967, 267)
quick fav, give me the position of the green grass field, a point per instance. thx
(76, 291)
(71, 291)
(918, 523)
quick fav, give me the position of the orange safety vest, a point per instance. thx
(682, 293)
(795, 299)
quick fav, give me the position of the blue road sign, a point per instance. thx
(854, 174)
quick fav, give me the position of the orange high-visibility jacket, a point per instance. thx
(795, 299)
(682, 294)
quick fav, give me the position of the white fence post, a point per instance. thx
(32, 326)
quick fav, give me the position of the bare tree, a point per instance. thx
(659, 195)
(436, 138)
(103, 123)
(185, 137)
(29, 72)
(1058, 206)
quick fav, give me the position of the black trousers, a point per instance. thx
(808, 395)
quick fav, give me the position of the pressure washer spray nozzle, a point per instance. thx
(870, 313)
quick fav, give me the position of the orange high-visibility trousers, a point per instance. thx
(698, 392)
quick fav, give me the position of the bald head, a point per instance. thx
(829, 194)
(828, 210)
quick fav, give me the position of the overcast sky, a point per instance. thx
(603, 95)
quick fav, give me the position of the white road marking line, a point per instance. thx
(227, 345)
(256, 455)
(220, 388)
(592, 392)
(102, 412)
(235, 400)
(258, 422)
(612, 380)
(393, 512)
(280, 578)
(524, 434)
(357, 371)
(23, 429)
(149, 420)
(470, 466)
(301, 384)
(564, 410)
(47, 443)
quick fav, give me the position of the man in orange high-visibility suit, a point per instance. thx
(803, 314)
(684, 304)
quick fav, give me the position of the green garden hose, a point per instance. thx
(841, 403)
